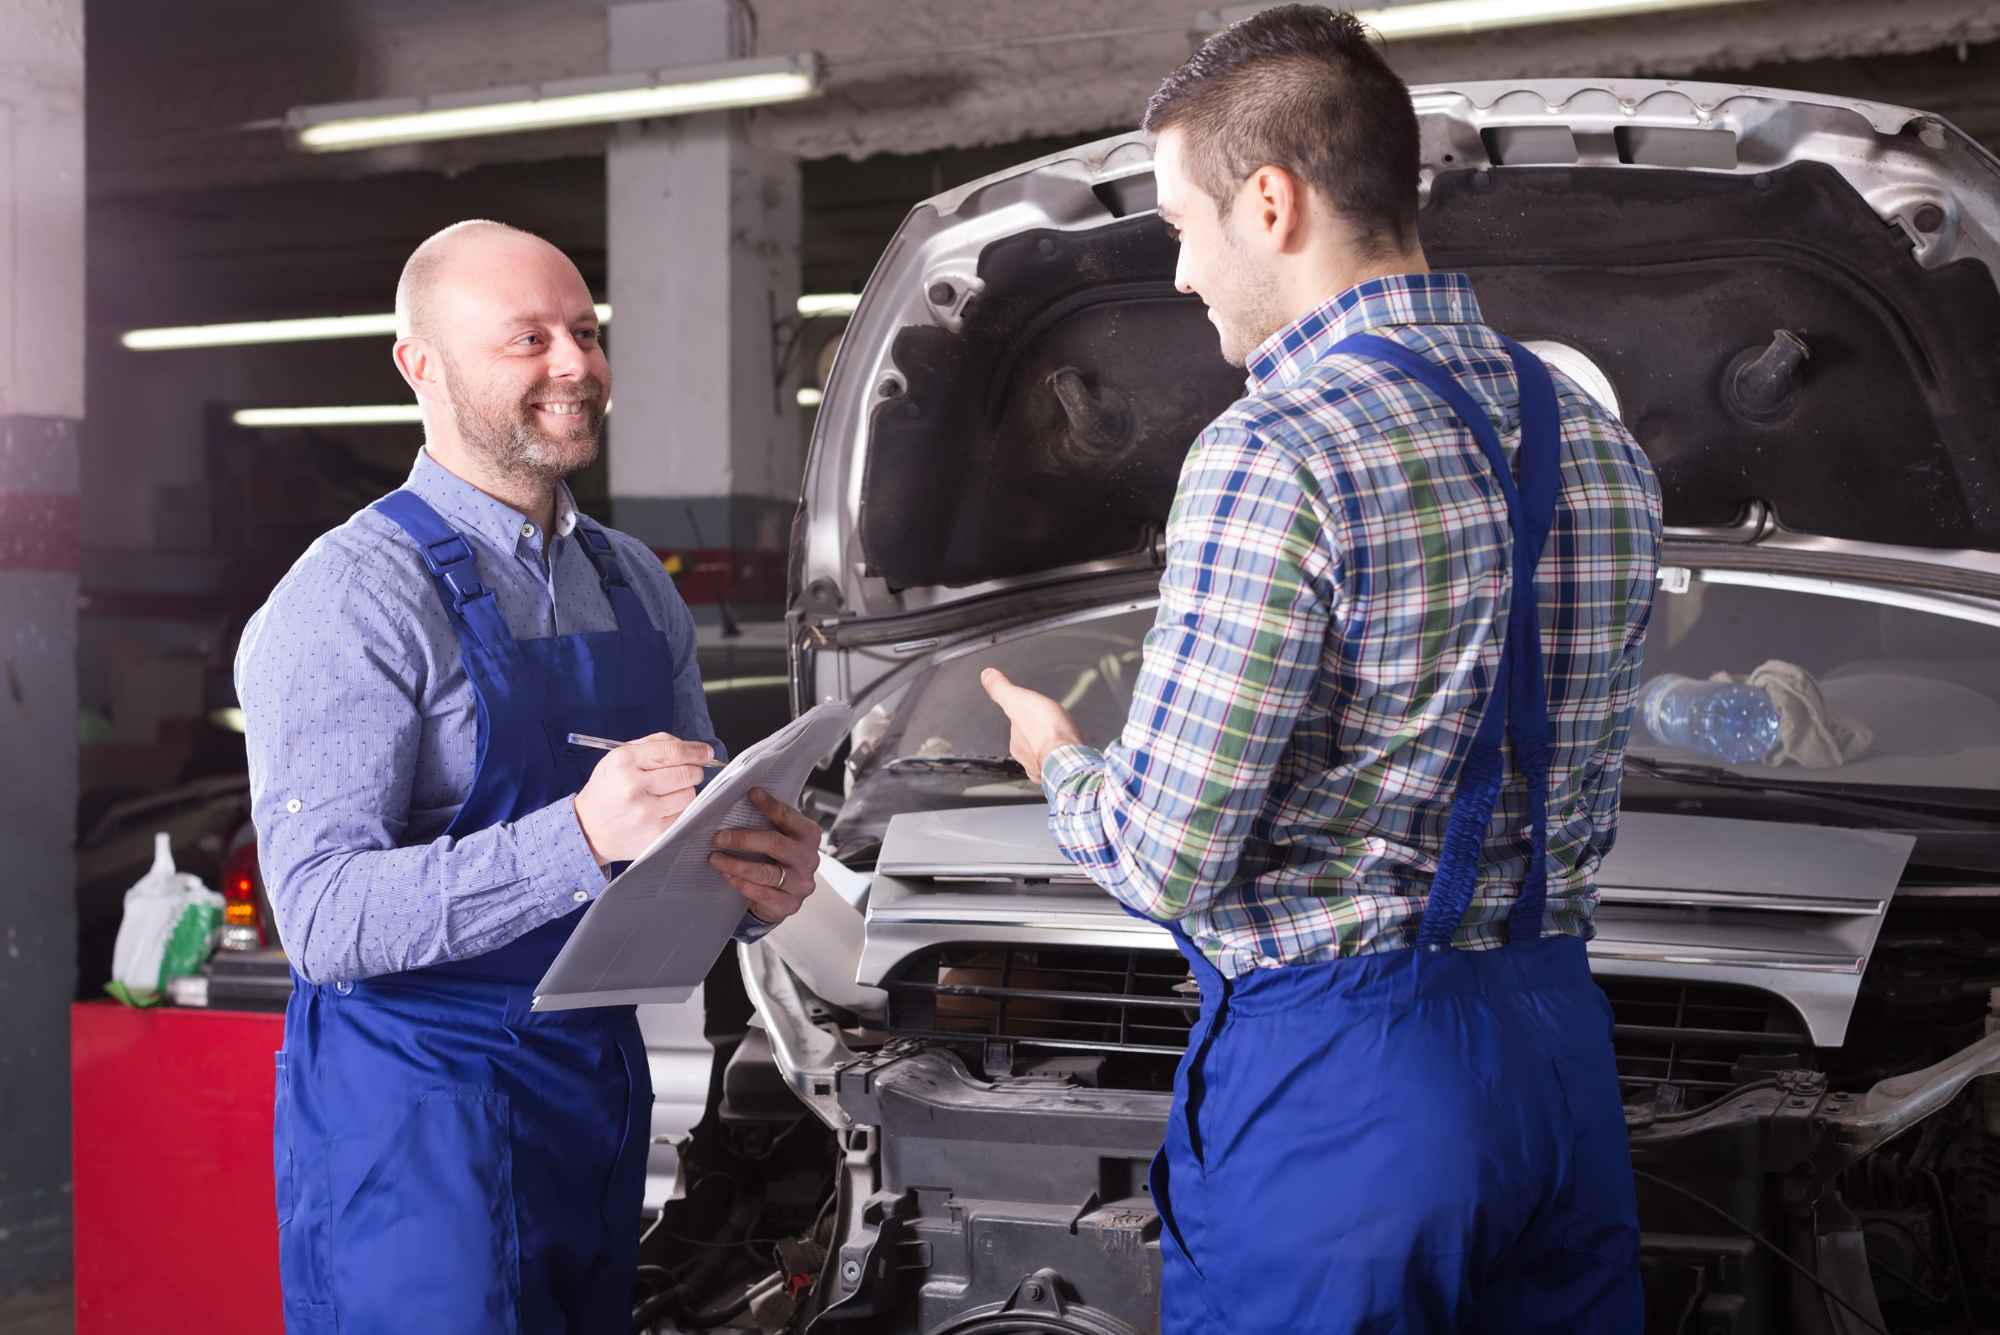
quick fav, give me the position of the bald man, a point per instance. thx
(446, 1159)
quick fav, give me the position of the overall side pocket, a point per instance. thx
(424, 1227)
(299, 1274)
(282, 1171)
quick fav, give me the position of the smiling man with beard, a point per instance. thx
(446, 1159)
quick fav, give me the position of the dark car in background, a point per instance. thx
(207, 823)
(1792, 302)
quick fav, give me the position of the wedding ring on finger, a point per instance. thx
(782, 871)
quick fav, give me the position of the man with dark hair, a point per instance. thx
(1407, 546)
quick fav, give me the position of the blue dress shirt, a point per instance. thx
(362, 734)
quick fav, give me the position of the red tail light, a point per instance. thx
(239, 890)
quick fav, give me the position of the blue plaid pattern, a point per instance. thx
(1331, 614)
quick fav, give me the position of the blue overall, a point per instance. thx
(448, 1161)
(1427, 1139)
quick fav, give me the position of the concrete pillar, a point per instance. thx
(41, 401)
(705, 448)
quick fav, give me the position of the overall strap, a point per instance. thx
(1518, 701)
(449, 559)
(625, 605)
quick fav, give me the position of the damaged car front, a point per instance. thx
(1791, 301)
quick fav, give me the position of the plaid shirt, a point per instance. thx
(1331, 614)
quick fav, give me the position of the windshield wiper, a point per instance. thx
(1959, 808)
(998, 766)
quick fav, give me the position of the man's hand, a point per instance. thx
(1040, 725)
(776, 888)
(637, 791)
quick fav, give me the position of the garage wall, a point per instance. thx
(41, 401)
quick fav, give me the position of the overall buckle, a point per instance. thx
(450, 560)
(598, 547)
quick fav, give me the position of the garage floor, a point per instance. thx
(49, 1313)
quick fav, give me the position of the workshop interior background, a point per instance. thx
(146, 182)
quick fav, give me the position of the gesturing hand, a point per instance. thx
(636, 791)
(1040, 725)
(776, 888)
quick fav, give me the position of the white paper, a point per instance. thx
(656, 930)
(822, 942)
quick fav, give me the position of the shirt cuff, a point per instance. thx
(555, 854)
(1066, 763)
(752, 928)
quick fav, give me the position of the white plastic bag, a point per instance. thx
(167, 931)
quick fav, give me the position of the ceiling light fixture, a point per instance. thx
(371, 414)
(743, 683)
(815, 305)
(547, 106)
(810, 397)
(310, 329)
(307, 330)
(1443, 18)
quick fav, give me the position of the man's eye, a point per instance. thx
(529, 338)
(1173, 232)
(586, 335)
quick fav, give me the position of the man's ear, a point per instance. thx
(420, 367)
(1276, 201)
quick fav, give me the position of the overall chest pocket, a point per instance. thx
(574, 764)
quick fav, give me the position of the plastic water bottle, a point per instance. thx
(1728, 720)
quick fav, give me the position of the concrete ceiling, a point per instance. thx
(194, 218)
(185, 95)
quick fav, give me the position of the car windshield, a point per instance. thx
(1089, 665)
(1889, 694)
(1869, 692)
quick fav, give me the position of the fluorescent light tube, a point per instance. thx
(809, 397)
(312, 329)
(743, 683)
(816, 304)
(667, 92)
(306, 330)
(1439, 18)
(373, 414)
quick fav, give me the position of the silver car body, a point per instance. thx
(1789, 911)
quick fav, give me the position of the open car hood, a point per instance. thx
(1020, 384)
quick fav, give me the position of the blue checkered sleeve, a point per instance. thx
(1161, 817)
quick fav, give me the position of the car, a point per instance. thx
(207, 823)
(1791, 300)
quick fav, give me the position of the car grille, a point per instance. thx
(1091, 1000)
(1685, 1043)
(1680, 1043)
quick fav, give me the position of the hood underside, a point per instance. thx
(1022, 382)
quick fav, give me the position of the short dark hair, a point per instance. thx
(1299, 87)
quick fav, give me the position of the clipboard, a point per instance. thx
(654, 933)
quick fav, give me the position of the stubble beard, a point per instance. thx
(508, 436)
(1249, 310)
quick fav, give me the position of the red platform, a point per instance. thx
(176, 1216)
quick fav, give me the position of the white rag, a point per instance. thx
(1809, 734)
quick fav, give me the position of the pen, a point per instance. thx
(607, 744)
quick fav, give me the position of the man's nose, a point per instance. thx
(568, 359)
(1181, 283)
